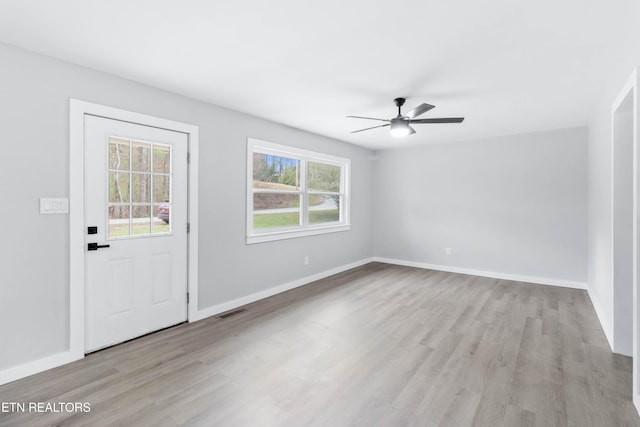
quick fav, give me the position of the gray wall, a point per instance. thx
(514, 205)
(34, 115)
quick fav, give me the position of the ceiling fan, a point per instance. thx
(400, 124)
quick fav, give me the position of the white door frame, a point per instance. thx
(77, 225)
(623, 146)
(631, 87)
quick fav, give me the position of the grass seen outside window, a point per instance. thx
(288, 219)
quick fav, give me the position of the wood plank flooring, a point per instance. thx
(379, 345)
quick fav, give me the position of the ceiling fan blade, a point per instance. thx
(374, 127)
(411, 130)
(442, 120)
(420, 109)
(368, 118)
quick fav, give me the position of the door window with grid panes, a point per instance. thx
(139, 188)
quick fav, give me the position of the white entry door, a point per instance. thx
(136, 230)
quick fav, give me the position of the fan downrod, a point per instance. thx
(399, 103)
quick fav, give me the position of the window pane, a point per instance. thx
(162, 217)
(118, 221)
(141, 221)
(276, 210)
(118, 153)
(269, 201)
(161, 188)
(118, 187)
(141, 152)
(279, 219)
(161, 158)
(323, 177)
(275, 172)
(328, 210)
(140, 187)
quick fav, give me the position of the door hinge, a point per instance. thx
(188, 157)
(188, 227)
(187, 297)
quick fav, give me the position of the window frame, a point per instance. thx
(305, 229)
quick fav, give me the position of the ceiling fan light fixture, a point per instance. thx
(400, 128)
(401, 124)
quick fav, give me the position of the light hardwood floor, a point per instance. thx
(380, 345)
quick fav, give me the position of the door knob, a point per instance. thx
(95, 246)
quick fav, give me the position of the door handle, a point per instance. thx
(95, 246)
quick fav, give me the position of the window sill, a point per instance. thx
(291, 234)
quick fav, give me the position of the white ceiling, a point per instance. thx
(508, 66)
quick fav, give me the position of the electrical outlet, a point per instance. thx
(306, 260)
(447, 251)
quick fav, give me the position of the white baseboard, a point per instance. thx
(229, 305)
(26, 369)
(492, 274)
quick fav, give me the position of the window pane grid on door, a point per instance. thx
(139, 188)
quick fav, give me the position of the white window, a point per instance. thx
(293, 192)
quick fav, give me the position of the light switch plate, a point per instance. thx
(54, 205)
